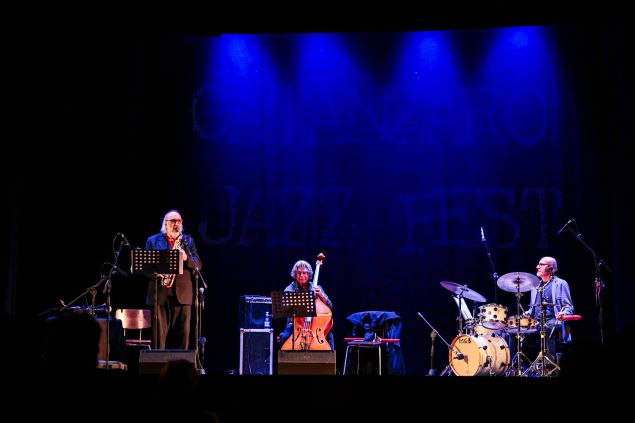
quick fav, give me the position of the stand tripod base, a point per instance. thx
(447, 371)
(543, 366)
(517, 366)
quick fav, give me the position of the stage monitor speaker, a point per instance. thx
(252, 311)
(154, 361)
(256, 352)
(306, 362)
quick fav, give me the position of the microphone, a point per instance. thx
(482, 235)
(460, 356)
(565, 226)
(202, 296)
(125, 240)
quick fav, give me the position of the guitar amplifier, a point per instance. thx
(252, 311)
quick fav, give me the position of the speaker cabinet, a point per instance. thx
(252, 311)
(256, 352)
(154, 361)
(306, 362)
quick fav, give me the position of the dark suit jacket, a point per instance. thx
(183, 286)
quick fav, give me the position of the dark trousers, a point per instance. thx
(173, 327)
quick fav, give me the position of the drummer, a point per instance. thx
(554, 295)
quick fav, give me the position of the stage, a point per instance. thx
(115, 394)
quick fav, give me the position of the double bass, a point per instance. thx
(309, 333)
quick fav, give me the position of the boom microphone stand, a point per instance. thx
(107, 290)
(491, 262)
(448, 369)
(598, 263)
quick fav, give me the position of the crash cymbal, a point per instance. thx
(463, 291)
(518, 282)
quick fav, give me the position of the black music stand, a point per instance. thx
(152, 263)
(293, 304)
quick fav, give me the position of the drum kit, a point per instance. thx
(480, 348)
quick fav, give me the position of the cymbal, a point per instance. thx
(463, 291)
(518, 282)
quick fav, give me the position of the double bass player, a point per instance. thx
(315, 332)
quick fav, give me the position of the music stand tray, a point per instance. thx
(156, 261)
(293, 304)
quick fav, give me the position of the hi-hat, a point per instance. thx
(518, 282)
(463, 291)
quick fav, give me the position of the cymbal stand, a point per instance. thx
(539, 364)
(518, 357)
(460, 316)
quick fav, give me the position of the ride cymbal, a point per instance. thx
(518, 282)
(463, 291)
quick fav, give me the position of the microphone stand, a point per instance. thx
(599, 284)
(447, 370)
(491, 262)
(92, 290)
(107, 291)
(199, 306)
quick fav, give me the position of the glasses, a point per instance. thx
(301, 273)
(175, 221)
(543, 264)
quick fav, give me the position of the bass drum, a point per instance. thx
(479, 355)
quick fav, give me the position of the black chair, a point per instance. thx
(376, 331)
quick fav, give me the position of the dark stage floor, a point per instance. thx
(115, 395)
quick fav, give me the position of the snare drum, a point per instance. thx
(493, 316)
(522, 323)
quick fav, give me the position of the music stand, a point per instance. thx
(152, 263)
(293, 304)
